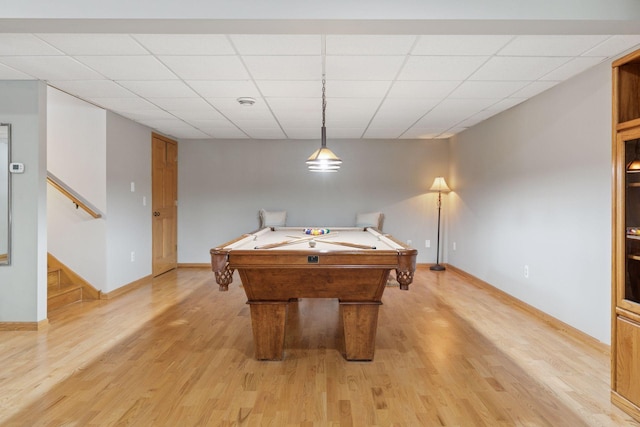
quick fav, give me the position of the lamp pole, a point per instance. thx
(437, 266)
(439, 185)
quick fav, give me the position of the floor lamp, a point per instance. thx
(439, 185)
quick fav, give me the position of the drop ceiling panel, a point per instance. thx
(422, 89)
(128, 67)
(278, 44)
(302, 133)
(614, 45)
(384, 133)
(534, 88)
(93, 88)
(571, 68)
(551, 45)
(363, 67)
(181, 104)
(290, 88)
(511, 68)
(265, 133)
(423, 133)
(193, 116)
(95, 44)
(284, 67)
(441, 67)
(206, 67)
(124, 104)
(51, 67)
(158, 88)
(487, 89)
(224, 89)
(25, 45)
(369, 44)
(185, 44)
(8, 73)
(459, 45)
(356, 89)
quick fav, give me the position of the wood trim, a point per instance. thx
(79, 203)
(24, 326)
(550, 320)
(627, 125)
(146, 280)
(194, 265)
(625, 405)
(4, 257)
(631, 57)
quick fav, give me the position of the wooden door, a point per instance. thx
(164, 181)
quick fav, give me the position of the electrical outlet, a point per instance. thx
(133, 256)
(454, 246)
(409, 242)
(133, 187)
(526, 271)
(427, 243)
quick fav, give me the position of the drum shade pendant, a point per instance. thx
(323, 159)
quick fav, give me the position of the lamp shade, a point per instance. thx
(440, 185)
(634, 166)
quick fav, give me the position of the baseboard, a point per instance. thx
(625, 405)
(23, 326)
(194, 265)
(127, 288)
(550, 320)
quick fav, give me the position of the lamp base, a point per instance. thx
(437, 267)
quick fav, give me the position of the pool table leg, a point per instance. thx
(360, 322)
(268, 319)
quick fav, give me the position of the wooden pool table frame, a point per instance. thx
(272, 278)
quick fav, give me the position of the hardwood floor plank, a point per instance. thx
(179, 352)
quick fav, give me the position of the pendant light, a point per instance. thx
(323, 159)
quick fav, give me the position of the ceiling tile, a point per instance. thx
(363, 67)
(25, 45)
(505, 104)
(229, 133)
(459, 45)
(94, 44)
(284, 67)
(128, 67)
(422, 133)
(545, 45)
(262, 133)
(533, 89)
(277, 44)
(345, 133)
(369, 44)
(186, 44)
(291, 88)
(356, 89)
(224, 89)
(440, 67)
(181, 104)
(231, 109)
(384, 133)
(151, 112)
(510, 68)
(614, 45)
(399, 112)
(571, 68)
(487, 89)
(197, 115)
(206, 67)
(158, 88)
(51, 67)
(212, 124)
(8, 73)
(123, 104)
(302, 133)
(422, 89)
(93, 88)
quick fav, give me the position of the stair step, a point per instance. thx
(53, 280)
(65, 296)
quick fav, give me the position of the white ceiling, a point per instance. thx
(377, 86)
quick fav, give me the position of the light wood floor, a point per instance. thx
(180, 353)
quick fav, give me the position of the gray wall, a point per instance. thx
(533, 187)
(23, 284)
(223, 184)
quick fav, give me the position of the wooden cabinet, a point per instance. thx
(625, 337)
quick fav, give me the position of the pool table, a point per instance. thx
(277, 265)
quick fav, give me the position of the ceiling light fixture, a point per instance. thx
(323, 159)
(245, 101)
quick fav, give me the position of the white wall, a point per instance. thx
(76, 143)
(23, 284)
(129, 220)
(4, 192)
(533, 187)
(223, 184)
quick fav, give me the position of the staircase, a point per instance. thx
(64, 287)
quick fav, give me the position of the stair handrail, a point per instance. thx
(76, 198)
